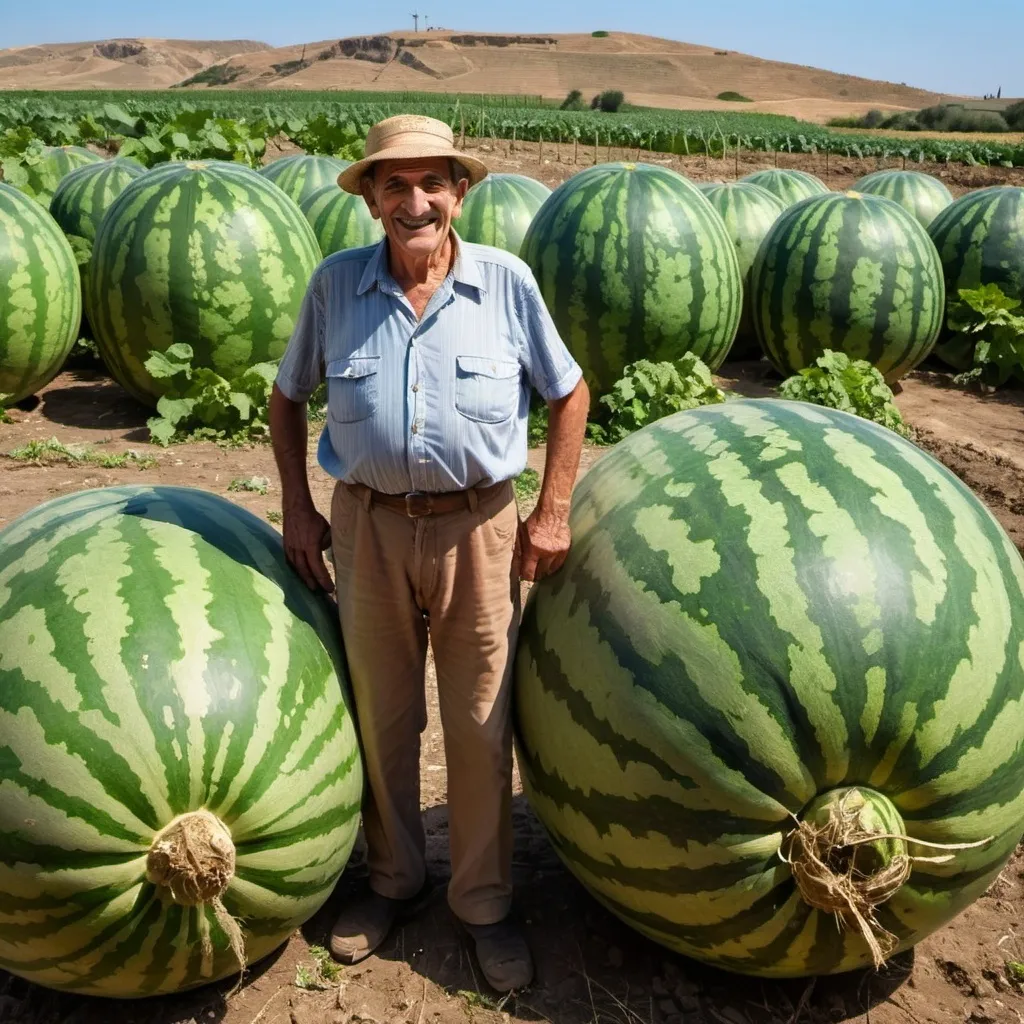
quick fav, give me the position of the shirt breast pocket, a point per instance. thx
(352, 388)
(486, 389)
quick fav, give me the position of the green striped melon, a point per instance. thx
(772, 612)
(788, 185)
(158, 659)
(40, 296)
(83, 195)
(56, 163)
(634, 263)
(301, 175)
(499, 210)
(749, 212)
(919, 194)
(207, 253)
(340, 220)
(980, 238)
(849, 272)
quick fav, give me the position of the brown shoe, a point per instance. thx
(503, 954)
(363, 926)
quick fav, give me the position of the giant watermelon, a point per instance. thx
(210, 254)
(499, 210)
(163, 673)
(980, 238)
(340, 220)
(301, 175)
(56, 163)
(774, 614)
(920, 194)
(852, 273)
(749, 212)
(40, 296)
(787, 185)
(634, 263)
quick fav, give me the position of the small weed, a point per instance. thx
(527, 484)
(1015, 971)
(254, 484)
(323, 974)
(52, 451)
(480, 1000)
(274, 516)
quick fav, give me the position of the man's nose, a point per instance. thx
(416, 204)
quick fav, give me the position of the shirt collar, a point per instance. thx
(466, 270)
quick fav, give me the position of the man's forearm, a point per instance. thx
(289, 434)
(567, 423)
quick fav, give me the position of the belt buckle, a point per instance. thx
(411, 499)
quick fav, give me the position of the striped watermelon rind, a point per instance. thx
(301, 175)
(749, 212)
(340, 220)
(634, 263)
(157, 657)
(40, 296)
(83, 195)
(853, 273)
(787, 185)
(205, 253)
(919, 194)
(980, 239)
(499, 209)
(766, 601)
(56, 163)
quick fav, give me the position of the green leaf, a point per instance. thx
(161, 431)
(176, 359)
(174, 410)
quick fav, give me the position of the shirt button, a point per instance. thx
(415, 387)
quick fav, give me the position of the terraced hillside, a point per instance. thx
(651, 71)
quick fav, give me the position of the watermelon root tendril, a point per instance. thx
(193, 859)
(849, 854)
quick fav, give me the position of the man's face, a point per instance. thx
(415, 201)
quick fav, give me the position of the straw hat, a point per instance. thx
(409, 137)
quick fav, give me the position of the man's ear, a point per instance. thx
(460, 193)
(367, 188)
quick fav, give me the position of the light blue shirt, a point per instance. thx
(437, 404)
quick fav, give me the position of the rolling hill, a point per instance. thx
(651, 71)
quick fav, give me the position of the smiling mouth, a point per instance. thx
(416, 224)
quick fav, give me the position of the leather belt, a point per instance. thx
(416, 504)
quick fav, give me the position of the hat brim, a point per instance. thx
(351, 178)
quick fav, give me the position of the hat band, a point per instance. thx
(404, 140)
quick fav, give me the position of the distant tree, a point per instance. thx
(609, 101)
(573, 101)
(873, 118)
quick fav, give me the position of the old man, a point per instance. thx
(430, 347)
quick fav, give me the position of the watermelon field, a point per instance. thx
(615, 940)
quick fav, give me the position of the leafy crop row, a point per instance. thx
(331, 122)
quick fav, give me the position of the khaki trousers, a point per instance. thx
(451, 573)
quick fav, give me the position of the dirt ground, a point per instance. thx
(591, 969)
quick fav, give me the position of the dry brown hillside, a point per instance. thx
(651, 71)
(114, 63)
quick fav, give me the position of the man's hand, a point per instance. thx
(544, 538)
(306, 536)
(543, 541)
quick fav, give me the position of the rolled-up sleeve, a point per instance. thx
(549, 366)
(302, 367)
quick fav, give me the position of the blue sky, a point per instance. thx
(969, 48)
